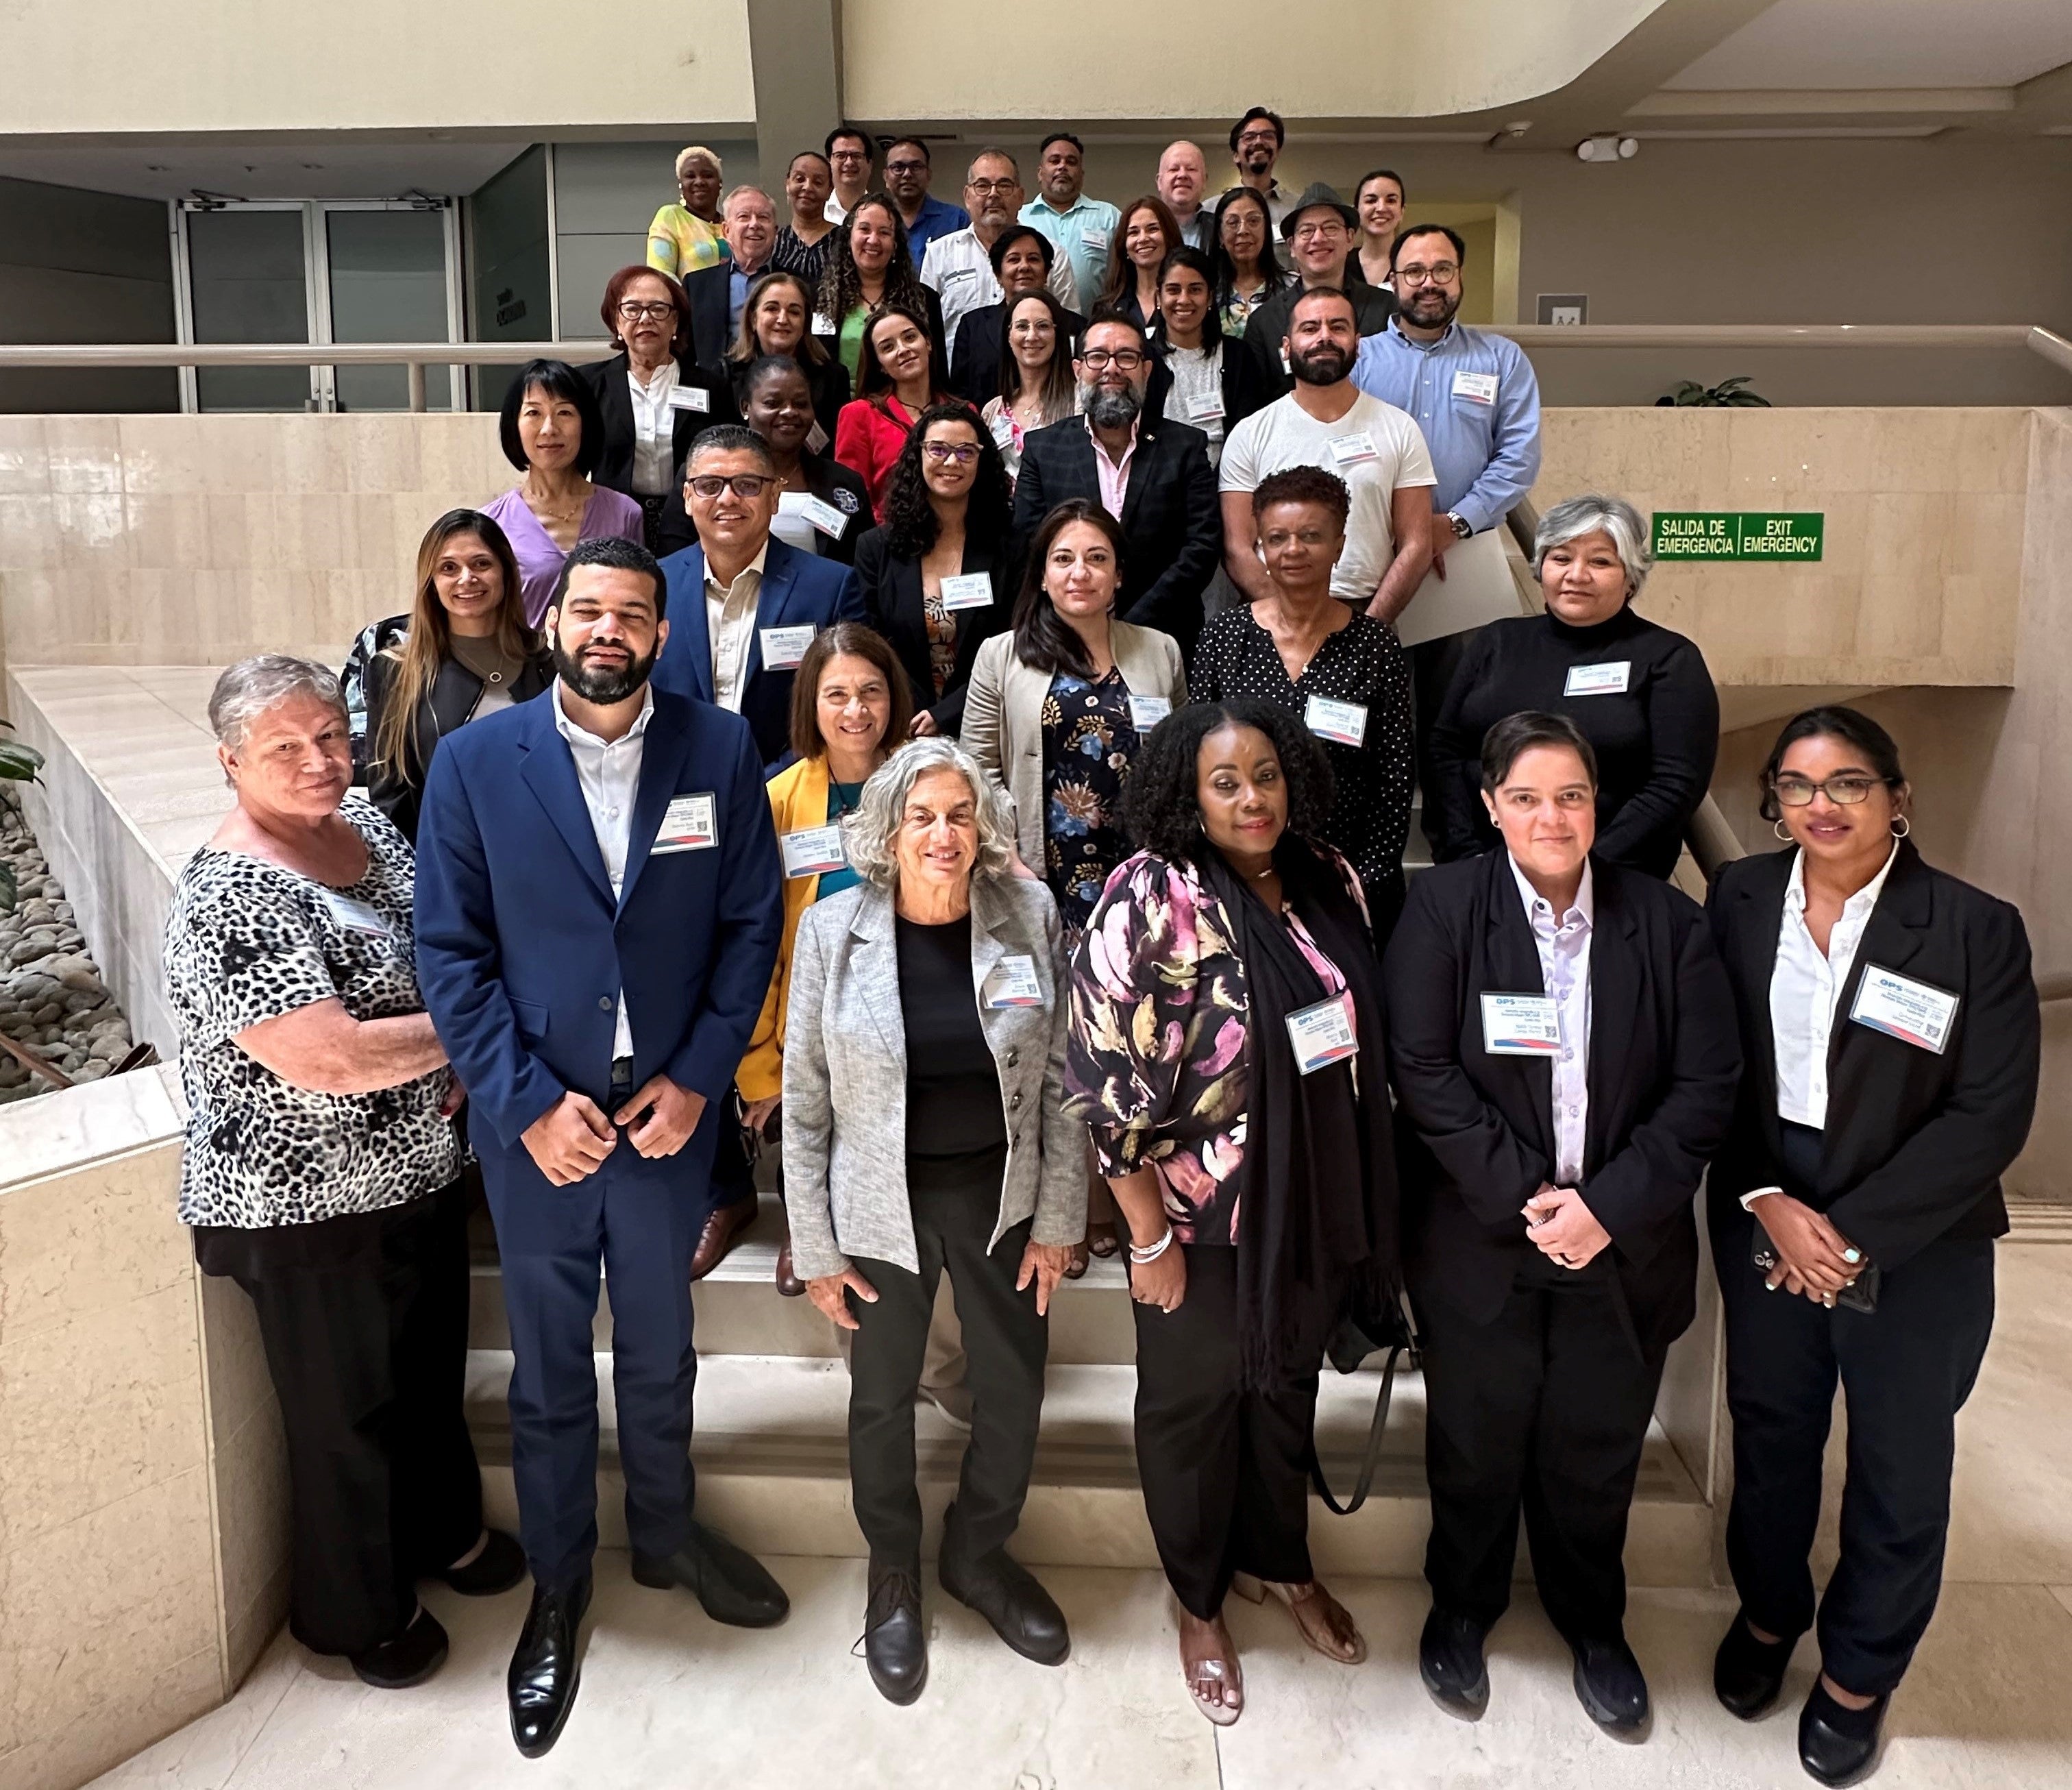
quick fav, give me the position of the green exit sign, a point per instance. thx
(1738, 534)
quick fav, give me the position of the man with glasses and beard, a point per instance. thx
(597, 913)
(1321, 231)
(1475, 400)
(1373, 447)
(1150, 474)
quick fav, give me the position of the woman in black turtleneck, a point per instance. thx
(1639, 693)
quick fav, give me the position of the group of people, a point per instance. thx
(1032, 913)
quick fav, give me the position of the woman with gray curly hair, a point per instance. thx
(1638, 692)
(924, 1133)
(322, 1173)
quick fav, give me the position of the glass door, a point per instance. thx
(248, 281)
(385, 275)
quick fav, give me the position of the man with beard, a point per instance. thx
(1321, 230)
(1256, 141)
(597, 913)
(1373, 447)
(959, 266)
(1152, 475)
(1475, 400)
(1081, 228)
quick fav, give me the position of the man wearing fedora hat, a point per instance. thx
(1321, 230)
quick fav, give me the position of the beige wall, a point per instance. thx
(376, 64)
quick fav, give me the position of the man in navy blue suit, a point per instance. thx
(747, 608)
(597, 913)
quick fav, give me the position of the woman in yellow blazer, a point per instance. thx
(850, 707)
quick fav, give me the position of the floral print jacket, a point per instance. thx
(1155, 1058)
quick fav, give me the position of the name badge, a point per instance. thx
(1013, 984)
(355, 916)
(1902, 1008)
(1606, 680)
(1206, 407)
(1324, 1034)
(967, 590)
(783, 647)
(813, 851)
(1351, 450)
(1476, 388)
(1095, 239)
(824, 516)
(687, 825)
(1521, 1025)
(816, 439)
(1003, 432)
(690, 398)
(1344, 722)
(823, 324)
(1146, 712)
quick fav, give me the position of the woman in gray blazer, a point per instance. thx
(1054, 713)
(923, 1069)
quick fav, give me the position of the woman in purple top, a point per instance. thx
(552, 434)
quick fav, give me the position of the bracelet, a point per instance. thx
(1144, 1257)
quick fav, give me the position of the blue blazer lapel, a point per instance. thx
(689, 638)
(549, 771)
(662, 753)
(780, 576)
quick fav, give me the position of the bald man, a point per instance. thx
(1183, 183)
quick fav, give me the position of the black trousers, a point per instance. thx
(955, 1202)
(1432, 664)
(1906, 1371)
(1542, 1410)
(1225, 1469)
(366, 1338)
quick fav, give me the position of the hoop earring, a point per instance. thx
(1901, 827)
(1780, 829)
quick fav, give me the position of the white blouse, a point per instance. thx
(654, 430)
(1805, 986)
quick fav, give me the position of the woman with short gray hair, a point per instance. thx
(1638, 692)
(924, 1133)
(322, 1172)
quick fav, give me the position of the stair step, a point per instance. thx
(770, 1446)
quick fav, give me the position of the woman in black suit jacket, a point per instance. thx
(935, 576)
(1564, 1057)
(692, 400)
(1889, 1021)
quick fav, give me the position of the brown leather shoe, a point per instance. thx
(788, 1283)
(722, 1231)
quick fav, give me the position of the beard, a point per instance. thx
(1109, 406)
(1325, 365)
(602, 687)
(1431, 310)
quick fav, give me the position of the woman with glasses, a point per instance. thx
(1034, 356)
(897, 382)
(1022, 257)
(1248, 268)
(802, 245)
(1639, 693)
(933, 575)
(776, 319)
(653, 397)
(1145, 236)
(1889, 1030)
(868, 267)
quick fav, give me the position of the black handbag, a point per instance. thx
(1370, 1327)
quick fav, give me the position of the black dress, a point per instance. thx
(1639, 693)
(1361, 663)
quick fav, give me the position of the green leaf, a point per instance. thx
(19, 763)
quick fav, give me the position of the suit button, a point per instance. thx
(605, 1003)
(1015, 1100)
(1014, 1057)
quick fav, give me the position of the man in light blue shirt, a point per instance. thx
(1082, 229)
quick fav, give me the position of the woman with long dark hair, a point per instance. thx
(1036, 383)
(1191, 345)
(778, 319)
(1146, 233)
(1226, 1047)
(1247, 266)
(898, 381)
(463, 651)
(934, 576)
(868, 267)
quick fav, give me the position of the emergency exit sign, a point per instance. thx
(1738, 534)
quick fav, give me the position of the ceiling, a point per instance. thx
(171, 167)
(1861, 44)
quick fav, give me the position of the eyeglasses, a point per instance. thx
(660, 312)
(986, 188)
(963, 452)
(1331, 227)
(1846, 792)
(904, 167)
(1256, 138)
(746, 485)
(1124, 360)
(1439, 273)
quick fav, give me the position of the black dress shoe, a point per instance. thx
(732, 1584)
(1450, 1660)
(545, 1668)
(1836, 1745)
(1008, 1596)
(1609, 1685)
(1748, 1675)
(499, 1565)
(411, 1658)
(895, 1641)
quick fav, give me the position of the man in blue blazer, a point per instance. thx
(598, 914)
(770, 598)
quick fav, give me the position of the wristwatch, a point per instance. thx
(1461, 529)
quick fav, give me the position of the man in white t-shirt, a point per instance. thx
(1328, 422)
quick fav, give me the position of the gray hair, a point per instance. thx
(747, 186)
(1574, 517)
(873, 829)
(249, 688)
(991, 152)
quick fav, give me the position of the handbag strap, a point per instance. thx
(1372, 1457)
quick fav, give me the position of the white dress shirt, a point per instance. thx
(1564, 944)
(609, 773)
(654, 430)
(730, 626)
(959, 268)
(1805, 985)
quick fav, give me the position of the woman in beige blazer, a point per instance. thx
(924, 1133)
(1054, 713)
